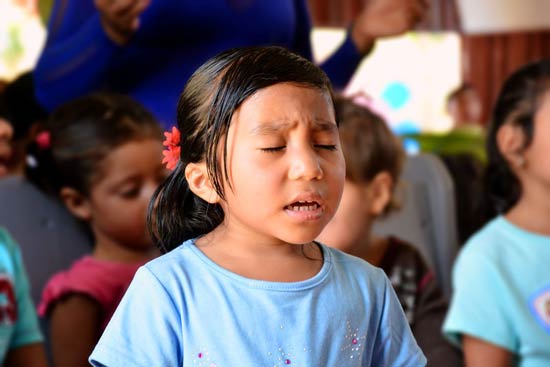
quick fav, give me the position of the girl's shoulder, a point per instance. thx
(500, 235)
(100, 280)
(353, 266)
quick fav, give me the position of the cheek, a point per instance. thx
(336, 175)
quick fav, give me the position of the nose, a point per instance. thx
(149, 190)
(305, 165)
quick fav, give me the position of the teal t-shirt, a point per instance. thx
(501, 292)
(18, 320)
(182, 309)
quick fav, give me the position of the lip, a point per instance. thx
(306, 215)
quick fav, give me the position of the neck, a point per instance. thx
(531, 212)
(261, 258)
(371, 249)
(376, 250)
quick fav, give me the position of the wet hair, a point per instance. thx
(82, 134)
(205, 109)
(517, 103)
(369, 145)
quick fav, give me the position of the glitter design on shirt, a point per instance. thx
(286, 358)
(202, 359)
(354, 342)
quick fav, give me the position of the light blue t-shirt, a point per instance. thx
(501, 294)
(18, 320)
(182, 309)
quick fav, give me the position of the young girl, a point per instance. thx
(374, 159)
(260, 173)
(20, 336)
(103, 157)
(499, 311)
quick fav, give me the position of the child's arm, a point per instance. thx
(74, 330)
(31, 355)
(429, 314)
(25, 343)
(481, 353)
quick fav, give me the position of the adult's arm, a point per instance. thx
(378, 19)
(77, 54)
(341, 65)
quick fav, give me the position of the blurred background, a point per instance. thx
(406, 79)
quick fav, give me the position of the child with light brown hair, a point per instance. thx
(374, 159)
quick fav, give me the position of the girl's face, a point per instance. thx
(538, 152)
(119, 198)
(6, 133)
(286, 168)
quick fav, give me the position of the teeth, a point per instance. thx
(301, 208)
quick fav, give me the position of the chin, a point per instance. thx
(300, 238)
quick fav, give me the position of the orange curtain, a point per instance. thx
(488, 59)
(442, 14)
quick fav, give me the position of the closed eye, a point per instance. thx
(273, 149)
(327, 147)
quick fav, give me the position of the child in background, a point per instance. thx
(104, 162)
(18, 105)
(20, 337)
(501, 278)
(374, 159)
(260, 173)
(6, 133)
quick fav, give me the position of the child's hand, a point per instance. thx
(384, 18)
(120, 18)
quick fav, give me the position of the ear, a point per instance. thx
(510, 141)
(199, 182)
(379, 193)
(78, 204)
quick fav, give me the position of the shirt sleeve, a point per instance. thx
(341, 65)
(27, 329)
(395, 344)
(77, 54)
(145, 330)
(477, 305)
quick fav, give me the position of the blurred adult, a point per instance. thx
(148, 49)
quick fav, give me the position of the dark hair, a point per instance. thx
(205, 109)
(368, 144)
(517, 103)
(82, 133)
(19, 105)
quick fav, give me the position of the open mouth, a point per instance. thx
(302, 206)
(305, 210)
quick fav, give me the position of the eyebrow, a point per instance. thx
(277, 126)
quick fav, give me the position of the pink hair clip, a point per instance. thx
(43, 140)
(172, 152)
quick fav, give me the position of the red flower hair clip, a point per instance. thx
(172, 152)
(43, 140)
